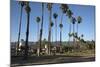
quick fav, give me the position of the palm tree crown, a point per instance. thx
(73, 20)
(55, 15)
(49, 6)
(38, 19)
(64, 8)
(22, 3)
(79, 19)
(52, 24)
(82, 35)
(60, 25)
(69, 13)
(27, 8)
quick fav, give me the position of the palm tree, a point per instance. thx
(61, 26)
(38, 20)
(28, 10)
(69, 14)
(41, 30)
(55, 15)
(82, 36)
(81, 39)
(49, 6)
(64, 8)
(73, 22)
(79, 20)
(21, 3)
(52, 24)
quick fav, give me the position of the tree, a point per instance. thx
(61, 26)
(79, 20)
(49, 6)
(41, 30)
(82, 36)
(69, 14)
(38, 20)
(73, 22)
(81, 39)
(28, 10)
(21, 3)
(55, 15)
(52, 24)
(64, 8)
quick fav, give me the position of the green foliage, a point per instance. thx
(67, 48)
(69, 13)
(52, 24)
(73, 20)
(49, 6)
(55, 15)
(38, 19)
(64, 8)
(79, 19)
(60, 25)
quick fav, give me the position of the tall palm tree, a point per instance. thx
(49, 6)
(61, 26)
(21, 3)
(55, 15)
(69, 14)
(79, 20)
(81, 39)
(73, 22)
(64, 8)
(28, 10)
(52, 24)
(82, 36)
(38, 21)
(41, 30)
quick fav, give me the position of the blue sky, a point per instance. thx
(87, 27)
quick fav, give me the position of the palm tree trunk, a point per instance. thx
(37, 33)
(73, 35)
(56, 31)
(38, 39)
(49, 36)
(60, 40)
(52, 35)
(77, 36)
(27, 35)
(69, 31)
(77, 29)
(61, 34)
(19, 29)
(27, 31)
(41, 30)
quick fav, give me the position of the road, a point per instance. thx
(34, 60)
